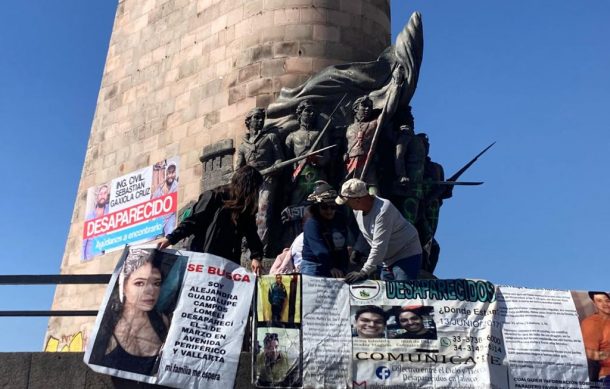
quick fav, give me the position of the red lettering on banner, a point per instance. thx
(228, 275)
(245, 278)
(139, 213)
(195, 268)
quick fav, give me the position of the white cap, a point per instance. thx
(352, 189)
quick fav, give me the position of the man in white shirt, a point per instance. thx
(393, 240)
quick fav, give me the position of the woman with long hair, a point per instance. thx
(223, 217)
(132, 330)
(324, 235)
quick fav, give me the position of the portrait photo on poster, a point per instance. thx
(279, 300)
(137, 313)
(593, 309)
(277, 357)
(98, 198)
(165, 181)
(393, 322)
(369, 321)
(412, 322)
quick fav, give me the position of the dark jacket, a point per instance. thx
(320, 241)
(214, 231)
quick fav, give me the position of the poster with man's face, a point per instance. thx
(593, 309)
(137, 207)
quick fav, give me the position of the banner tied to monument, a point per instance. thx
(425, 334)
(173, 318)
(178, 318)
(136, 207)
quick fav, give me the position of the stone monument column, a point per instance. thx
(180, 76)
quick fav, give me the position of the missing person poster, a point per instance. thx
(173, 318)
(543, 340)
(178, 318)
(426, 334)
(593, 310)
(276, 341)
(134, 208)
(205, 339)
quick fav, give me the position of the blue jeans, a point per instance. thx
(402, 270)
(314, 269)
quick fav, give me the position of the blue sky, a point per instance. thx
(533, 76)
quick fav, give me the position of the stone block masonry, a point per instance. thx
(181, 74)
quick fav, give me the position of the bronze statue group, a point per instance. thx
(365, 196)
(299, 197)
(333, 177)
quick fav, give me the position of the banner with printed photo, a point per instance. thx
(593, 310)
(178, 319)
(429, 334)
(302, 335)
(426, 334)
(134, 208)
(277, 336)
(543, 340)
(173, 318)
(134, 319)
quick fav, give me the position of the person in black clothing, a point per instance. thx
(222, 217)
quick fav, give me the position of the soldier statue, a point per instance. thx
(433, 196)
(362, 133)
(262, 149)
(359, 138)
(404, 186)
(300, 142)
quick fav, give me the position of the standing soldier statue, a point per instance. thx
(409, 158)
(363, 134)
(430, 207)
(301, 142)
(262, 149)
(359, 137)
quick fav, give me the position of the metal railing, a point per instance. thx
(52, 279)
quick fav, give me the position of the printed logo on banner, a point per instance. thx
(382, 372)
(366, 291)
(445, 342)
(361, 384)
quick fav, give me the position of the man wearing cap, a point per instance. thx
(393, 240)
(170, 185)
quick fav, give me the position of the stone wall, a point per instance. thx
(44, 370)
(181, 74)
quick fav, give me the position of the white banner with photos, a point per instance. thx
(174, 318)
